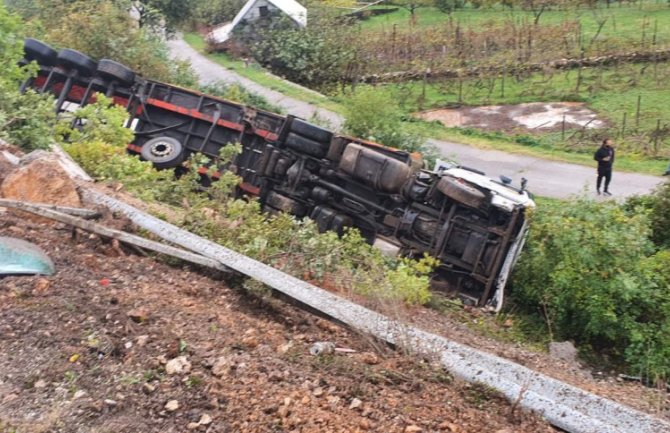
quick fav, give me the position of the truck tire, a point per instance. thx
(310, 131)
(40, 52)
(116, 71)
(305, 145)
(75, 60)
(461, 192)
(163, 152)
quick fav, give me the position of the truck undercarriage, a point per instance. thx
(474, 225)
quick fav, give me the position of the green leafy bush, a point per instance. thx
(375, 116)
(657, 205)
(590, 269)
(26, 120)
(315, 56)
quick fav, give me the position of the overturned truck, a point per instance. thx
(474, 225)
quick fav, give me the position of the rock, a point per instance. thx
(79, 394)
(333, 399)
(142, 340)
(364, 424)
(41, 181)
(178, 365)
(449, 426)
(250, 340)
(172, 405)
(148, 388)
(370, 358)
(413, 429)
(284, 412)
(221, 366)
(565, 351)
(193, 426)
(318, 392)
(355, 404)
(41, 287)
(110, 402)
(322, 348)
(284, 348)
(139, 315)
(10, 397)
(40, 384)
(205, 419)
(7, 165)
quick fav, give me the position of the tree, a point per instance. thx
(413, 5)
(448, 6)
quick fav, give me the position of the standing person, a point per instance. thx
(605, 157)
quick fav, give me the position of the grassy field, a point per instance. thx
(625, 22)
(256, 73)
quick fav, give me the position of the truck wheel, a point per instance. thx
(40, 52)
(461, 192)
(310, 131)
(164, 152)
(75, 60)
(116, 71)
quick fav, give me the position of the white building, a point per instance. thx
(255, 10)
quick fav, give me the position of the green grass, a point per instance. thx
(259, 75)
(622, 22)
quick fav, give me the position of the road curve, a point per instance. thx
(545, 177)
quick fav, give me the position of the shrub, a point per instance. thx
(25, 120)
(315, 56)
(375, 116)
(659, 213)
(590, 269)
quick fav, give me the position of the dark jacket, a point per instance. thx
(604, 152)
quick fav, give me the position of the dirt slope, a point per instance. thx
(73, 360)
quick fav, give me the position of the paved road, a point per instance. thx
(545, 178)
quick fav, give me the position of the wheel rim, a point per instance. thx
(161, 148)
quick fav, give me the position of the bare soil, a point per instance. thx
(529, 117)
(90, 349)
(72, 359)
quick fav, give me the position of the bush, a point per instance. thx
(25, 120)
(315, 56)
(590, 269)
(375, 116)
(658, 206)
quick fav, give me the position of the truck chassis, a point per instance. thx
(474, 225)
